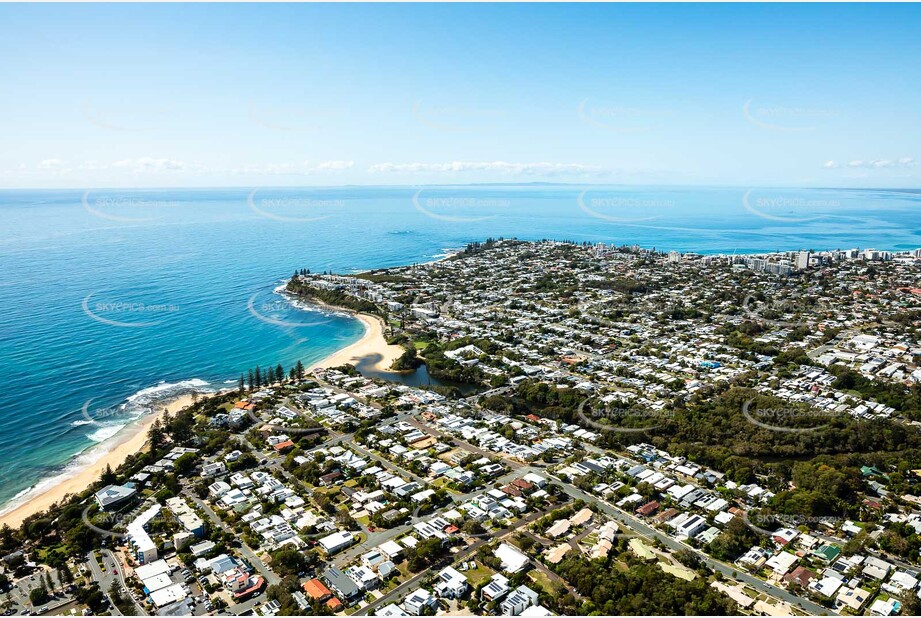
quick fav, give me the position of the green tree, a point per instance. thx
(156, 435)
(108, 477)
(299, 370)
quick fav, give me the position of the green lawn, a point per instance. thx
(542, 580)
(478, 575)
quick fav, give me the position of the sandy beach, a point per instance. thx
(372, 346)
(132, 439)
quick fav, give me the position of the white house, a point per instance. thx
(451, 584)
(336, 541)
(521, 599)
(512, 560)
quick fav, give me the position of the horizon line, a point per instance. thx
(470, 184)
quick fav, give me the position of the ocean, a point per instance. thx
(114, 300)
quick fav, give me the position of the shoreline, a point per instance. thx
(371, 347)
(130, 440)
(133, 437)
(371, 344)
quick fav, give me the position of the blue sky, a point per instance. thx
(255, 95)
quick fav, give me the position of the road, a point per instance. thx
(379, 536)
(248, 554)
(622, 517)
(513, 463)
(389, 465)
(822, 349)
(120, 569)
(104, 579)
(732, 572)
(463, 554)
(640, 527)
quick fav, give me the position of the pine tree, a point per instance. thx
(251, 380)
(258, 377)
(299, 370)
(108, 477)
(242, 384)
(279, 373)
(155, 434)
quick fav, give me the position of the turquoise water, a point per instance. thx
(122, 298)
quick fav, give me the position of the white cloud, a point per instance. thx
(153, 165)
(502, 167)
(303, 168)
(92, 166)
(335, 166)
(903, 162)
(882, 163)
(150, 164)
